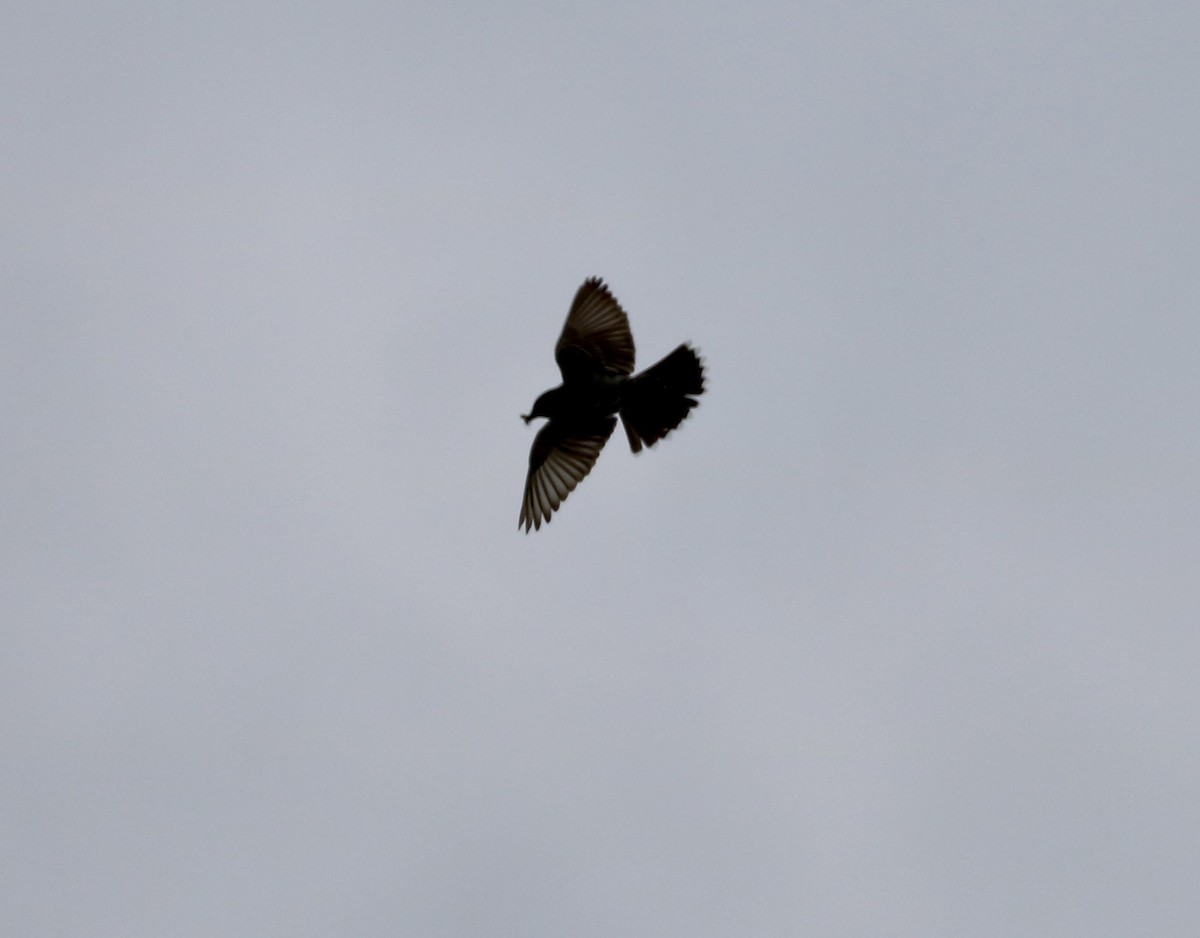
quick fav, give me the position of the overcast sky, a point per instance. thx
(896, 635)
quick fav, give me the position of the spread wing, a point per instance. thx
(596, 336)
(562, 455)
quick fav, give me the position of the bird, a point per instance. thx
(595, 355)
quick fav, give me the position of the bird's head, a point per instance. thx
(543, 406)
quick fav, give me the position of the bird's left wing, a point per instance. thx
(596, 336)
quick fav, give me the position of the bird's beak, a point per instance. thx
(527, 418)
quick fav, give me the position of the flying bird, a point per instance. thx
(595, 355)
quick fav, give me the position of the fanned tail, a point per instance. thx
(655, 402)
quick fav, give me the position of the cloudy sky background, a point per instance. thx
(897, 635)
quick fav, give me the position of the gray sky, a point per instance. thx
(896, 636)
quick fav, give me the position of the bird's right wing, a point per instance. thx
(562, 455)
(596, 335)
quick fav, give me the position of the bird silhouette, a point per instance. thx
(595, 355)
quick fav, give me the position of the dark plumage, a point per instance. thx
(595, 355)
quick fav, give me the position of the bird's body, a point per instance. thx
(595, 354)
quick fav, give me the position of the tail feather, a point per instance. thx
(655, 402)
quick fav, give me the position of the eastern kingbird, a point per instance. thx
(595, 355)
